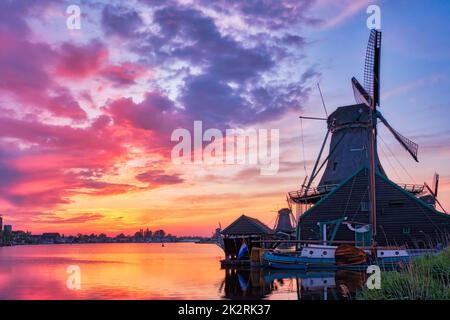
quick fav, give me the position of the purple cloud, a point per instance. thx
(120, 21)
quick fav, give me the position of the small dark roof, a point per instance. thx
(247, 225)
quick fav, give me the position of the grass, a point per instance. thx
(425, 278)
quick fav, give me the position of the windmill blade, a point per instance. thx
(434, 195)
(372, 66)
(409, 145)
(436, 183)
(361, 95)
(289, 203)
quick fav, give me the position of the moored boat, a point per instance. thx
(324, 257)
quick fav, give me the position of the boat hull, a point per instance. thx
(301, 261)
(294, 261)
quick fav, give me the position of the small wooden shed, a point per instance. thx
(245, 229)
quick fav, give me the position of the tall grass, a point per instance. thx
(425, 278)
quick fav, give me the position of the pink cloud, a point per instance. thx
(26, 78)
(413, 85)
(79, 62)
(158, 178)
(124, 74)
(77, 219)
(347, 9)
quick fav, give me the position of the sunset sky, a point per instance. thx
(87, 115)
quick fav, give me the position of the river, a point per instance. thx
(151, 271)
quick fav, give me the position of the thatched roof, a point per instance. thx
(245, 225)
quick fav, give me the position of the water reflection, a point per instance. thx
(149, 271)
(246, 284)
(257, 283)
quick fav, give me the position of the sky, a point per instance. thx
(87, 114)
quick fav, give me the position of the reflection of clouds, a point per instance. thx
(111, 271)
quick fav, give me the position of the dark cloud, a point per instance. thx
(229, 89)
(122, 75)
(8, 174)
(208, 98)
(77, 219)
(293, 40)
(155, 113)
(101, 188)
(274, 14)
(205, 46)
(13, 14)
(120, 21)
(158, 178)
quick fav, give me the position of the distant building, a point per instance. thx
(1, 231)
(7, 235)
(20, 237)
(34, 238)
(50, 237)
(159, 234)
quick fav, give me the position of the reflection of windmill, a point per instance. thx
(354, 186)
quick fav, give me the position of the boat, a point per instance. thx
(324, 257)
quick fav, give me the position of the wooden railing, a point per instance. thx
(412, 188)
(322, 190)
(311, 192)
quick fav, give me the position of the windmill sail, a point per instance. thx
(361, 95)
(370, 93)
(372, 66)
(409, 145)
(435, 183)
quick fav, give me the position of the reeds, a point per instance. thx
(425, 278)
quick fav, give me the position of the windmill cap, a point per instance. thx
(356, 115)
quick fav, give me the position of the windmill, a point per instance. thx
(355, 200)
(350, 126)
(285, 221)
(370, 96)
(433, 192)
(352, 172)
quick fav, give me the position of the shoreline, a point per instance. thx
(91, 243)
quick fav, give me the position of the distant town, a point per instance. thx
(10, 237)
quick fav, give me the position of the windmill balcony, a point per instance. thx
(412, 188)
(314, 194)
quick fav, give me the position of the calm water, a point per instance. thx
(150, 271)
